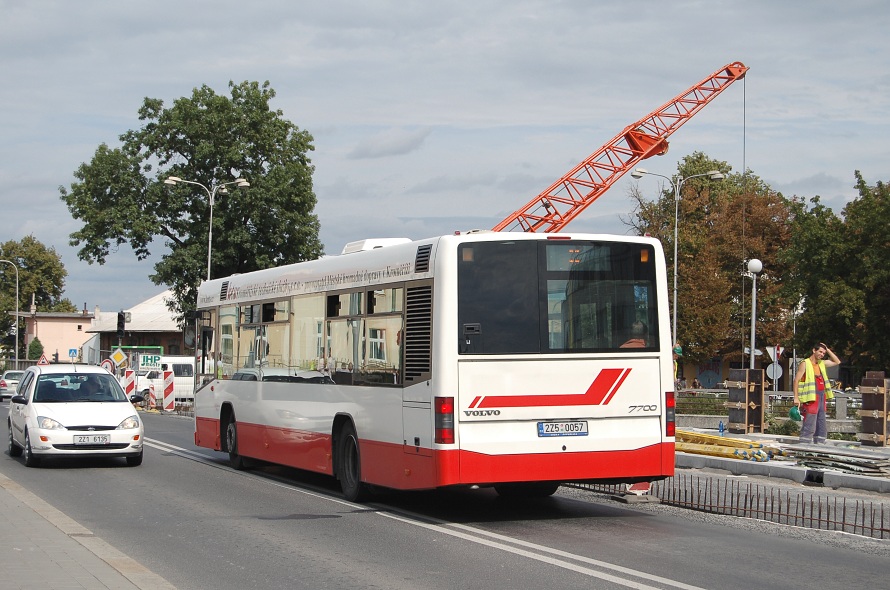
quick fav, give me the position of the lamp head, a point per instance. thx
(716, 175)
(755, 266)
(639, 172)
(172, 180)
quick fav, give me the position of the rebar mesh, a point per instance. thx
(803, 508)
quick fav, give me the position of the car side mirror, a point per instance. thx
(136, 399)
(18, 399)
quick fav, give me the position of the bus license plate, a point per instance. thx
(578, 428)
(91, 439)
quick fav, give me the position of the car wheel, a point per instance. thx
(30, 459)
(349, 465)
(235, 460)
(14, 449)
(135, 461)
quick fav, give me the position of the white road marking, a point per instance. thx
(555, 557)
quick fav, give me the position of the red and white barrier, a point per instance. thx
(152, 398)
(129, 383)
(169, 399)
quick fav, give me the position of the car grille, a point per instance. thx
(91, 428)
(109, 447)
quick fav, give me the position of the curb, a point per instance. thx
(775, 469)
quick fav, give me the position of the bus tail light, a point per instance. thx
(444, 420)
(670, 414)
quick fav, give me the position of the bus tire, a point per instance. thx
(532, 489)
(349, 465)
(235, 460)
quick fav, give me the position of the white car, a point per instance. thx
(73, 411)
(8, 382)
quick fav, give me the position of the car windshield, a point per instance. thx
(78, 387)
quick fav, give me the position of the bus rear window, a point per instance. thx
(529, 297)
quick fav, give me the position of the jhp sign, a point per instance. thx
(150, 362)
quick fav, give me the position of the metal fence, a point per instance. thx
(808, 509)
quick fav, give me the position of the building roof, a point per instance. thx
(49, 315)
(152, 315)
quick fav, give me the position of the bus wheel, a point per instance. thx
(535, 489)
(349, 465)
(235, 460)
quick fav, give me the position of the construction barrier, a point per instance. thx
(169, 398)
(129, 383)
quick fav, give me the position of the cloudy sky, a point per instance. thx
(431, 117)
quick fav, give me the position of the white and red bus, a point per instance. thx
(513, 360)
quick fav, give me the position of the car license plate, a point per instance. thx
(91, 439)
(577, 428)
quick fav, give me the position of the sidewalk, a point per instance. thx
(45, 549)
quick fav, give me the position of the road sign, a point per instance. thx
(108, 365)
(43, 360)
(118, 356)
(774, 371)
(72, 353)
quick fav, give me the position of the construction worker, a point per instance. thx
(812, 390)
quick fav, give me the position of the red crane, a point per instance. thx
(567, 197)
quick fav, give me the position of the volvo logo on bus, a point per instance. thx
(482, 412)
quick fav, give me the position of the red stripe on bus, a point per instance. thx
(615, 387)
(406, 467)
(398, 467)
(600, 392)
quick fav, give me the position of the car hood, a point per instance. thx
(86, 413)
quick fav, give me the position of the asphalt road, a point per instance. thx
(187, 516)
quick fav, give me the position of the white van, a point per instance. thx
(183, 368)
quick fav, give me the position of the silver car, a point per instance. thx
(8, 383)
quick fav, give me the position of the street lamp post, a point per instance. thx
(677, 184)
(211, 194)
(754, 268)
(16, 267)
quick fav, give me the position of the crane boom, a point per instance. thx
(551, 210)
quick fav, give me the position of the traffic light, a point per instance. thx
(121, 322)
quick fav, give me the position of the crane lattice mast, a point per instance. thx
(551, 210)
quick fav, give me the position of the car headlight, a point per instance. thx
(131, 422)
(48, 423)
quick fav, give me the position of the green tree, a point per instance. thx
(842, 278)
(35, 349)
(41, 275)
(722, 224)
(121, 197)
